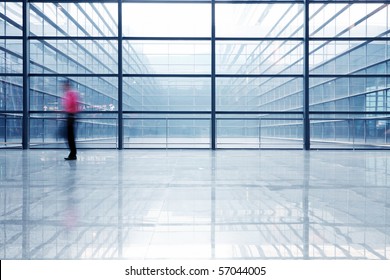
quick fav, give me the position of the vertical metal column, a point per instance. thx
(120, 78)
(306, 119)
(213, 91)
(26, 79)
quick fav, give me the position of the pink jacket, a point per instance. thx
(70, 102)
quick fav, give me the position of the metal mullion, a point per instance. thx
(349, 75)
(169, 112)
(351, 38)
(164, 118)
(259, 39)
(167, 75)
(11, 74)
(136, 38)
(81, 114)
(26, 78)
(93, 38)
(265, 118)
(70, 75)
(306, 77)
(351, 112)
(213, 80)
(10, 112)
(259, 75)
(120, 76)
(260, 112)
(11, 37)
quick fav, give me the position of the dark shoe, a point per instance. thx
(71, 158)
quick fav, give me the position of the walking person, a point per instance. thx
(71, 107)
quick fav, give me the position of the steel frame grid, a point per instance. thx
(306, 75)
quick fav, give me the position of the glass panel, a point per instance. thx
(167, 131)
(74, 56)
(349, 94)
(259, 20)
(349, 20)
(92, 131)
(74, 19)
(11, 57)
(96, 93)
(10, 19)
(167, 94)
(266, 131)
(10, 130)
(166, 57)
(271, 57)
(353, 131)
(259, 94)
(348, 57)
(11, 93)
(166, 20)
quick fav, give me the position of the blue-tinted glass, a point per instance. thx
(75, 56)
(167, 57)
(259, 20)
(10, 19)
(74, 19)
(269, 57)
(259, 94)
(346, 20)
(167, 94)
(96, 93)
(11, 93)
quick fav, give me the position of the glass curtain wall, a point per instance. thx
(349, 74)
(11, 74)
(198, 74)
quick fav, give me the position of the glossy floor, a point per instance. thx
(195, 204)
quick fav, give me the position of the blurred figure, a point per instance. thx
(71, 107)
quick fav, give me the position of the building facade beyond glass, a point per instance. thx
(197, 74)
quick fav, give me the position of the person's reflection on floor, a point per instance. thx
(70, 212)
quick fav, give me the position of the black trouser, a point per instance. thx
(71, 135)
